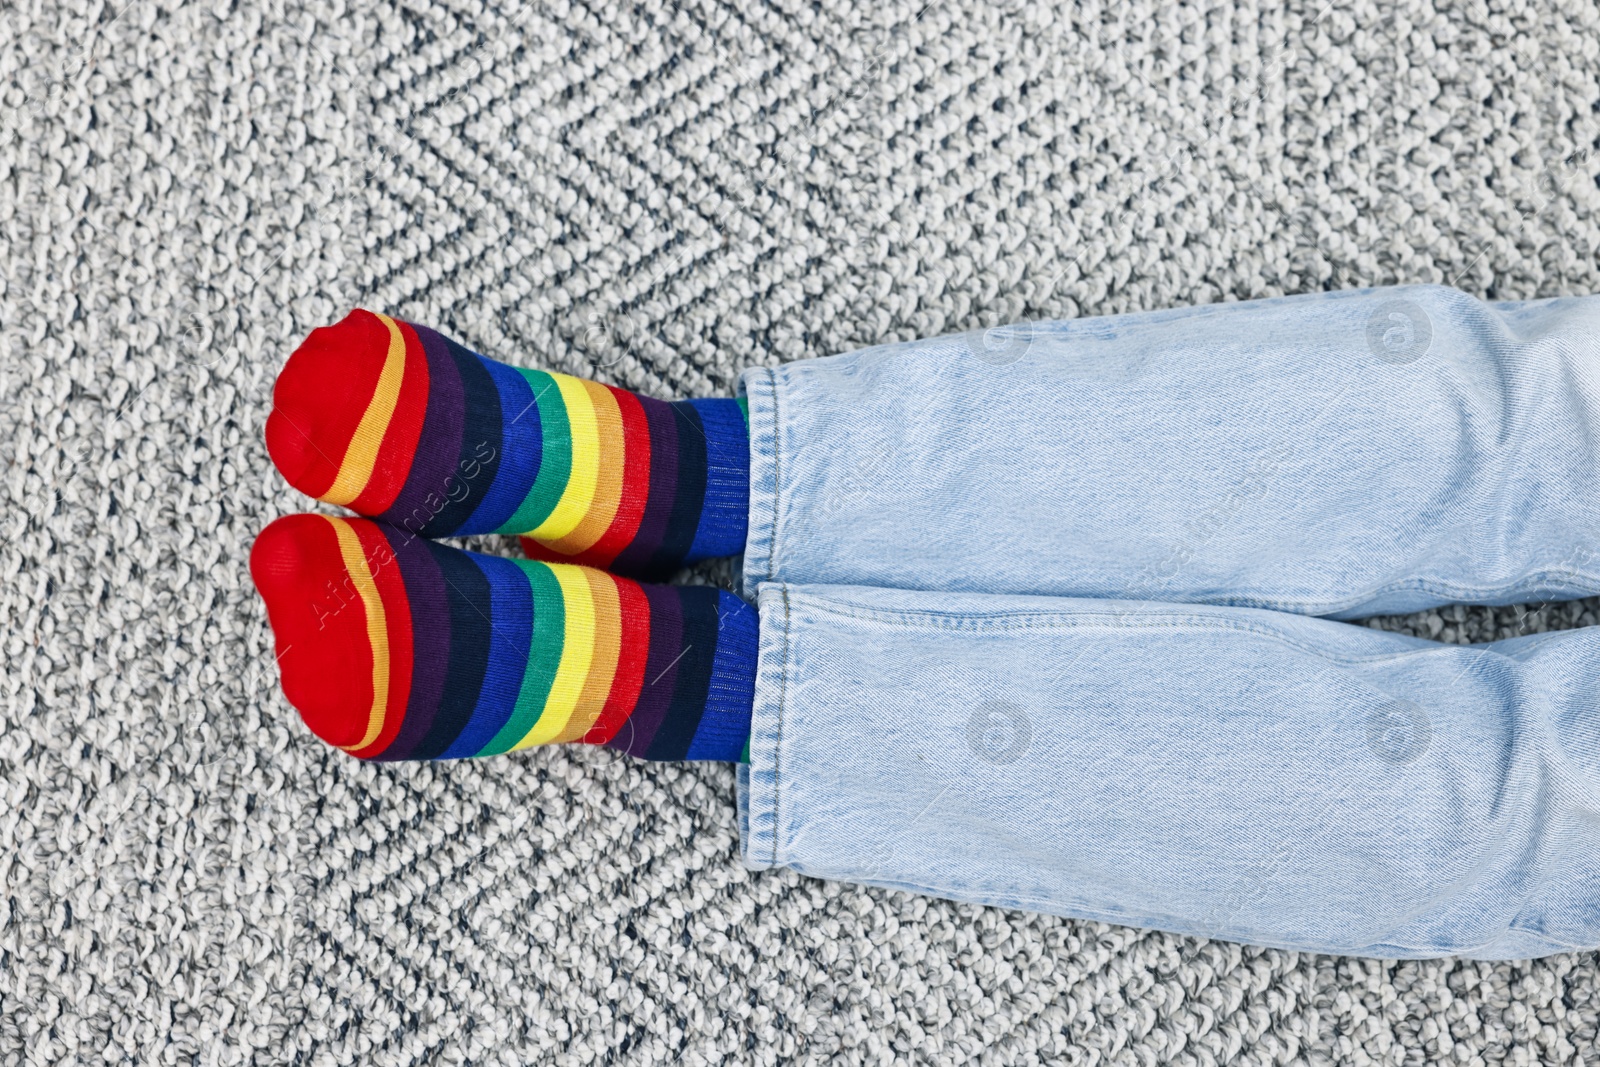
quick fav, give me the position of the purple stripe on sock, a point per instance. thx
(433, 473)
(430, 640)
(663, 423)
(660, 672)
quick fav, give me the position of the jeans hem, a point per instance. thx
(1509, 944)
(759, 786)
(759, 385)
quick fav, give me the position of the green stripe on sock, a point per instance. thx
(544, 656)
(555, 467)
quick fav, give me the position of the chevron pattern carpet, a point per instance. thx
(657, 195)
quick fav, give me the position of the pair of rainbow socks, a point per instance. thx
(392, 646)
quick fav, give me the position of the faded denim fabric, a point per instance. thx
(1004, 658)
(1344, 454)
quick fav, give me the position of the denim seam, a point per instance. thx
(777, 476)
(1450, 590)
(1154, 920)
(1533, 642)
(1486, 944)
(777, 748)
(977, 893)
(991, 623)
(756, 384)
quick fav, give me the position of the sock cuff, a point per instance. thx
(726, 513)
(724, 728)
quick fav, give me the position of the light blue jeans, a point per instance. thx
(1040, 621)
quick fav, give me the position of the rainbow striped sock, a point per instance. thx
(393, 647)
(400, 423)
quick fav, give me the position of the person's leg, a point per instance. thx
(1226, 772)
(1338, 453)
(400, 423)
(392, 647)
(1333, 454)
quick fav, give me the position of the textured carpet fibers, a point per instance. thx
(653, 195)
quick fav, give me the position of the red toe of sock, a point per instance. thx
(318, 626)
(320, 397)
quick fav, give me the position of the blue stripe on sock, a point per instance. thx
(725, 725)
(511, 631)
(521, 448)
(726, 514)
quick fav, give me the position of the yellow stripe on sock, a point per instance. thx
(355, 562)
(577, 653)
(607, 650)
(608, 483)
(355, 471)
(578, 495)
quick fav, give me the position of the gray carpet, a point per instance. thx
(659, 196)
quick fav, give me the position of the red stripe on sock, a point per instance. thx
(635, 482)
(534, 550)
(629, 679)
(397, 615)
(320, 396)
(319, 626)
(399, 446)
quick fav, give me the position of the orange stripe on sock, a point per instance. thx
(634, 638)
(397, 628)
(355, 470)
(355, 564)
(320, 396)
(608, 480)
(399, 446)
(635, 466)
(603, 665)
